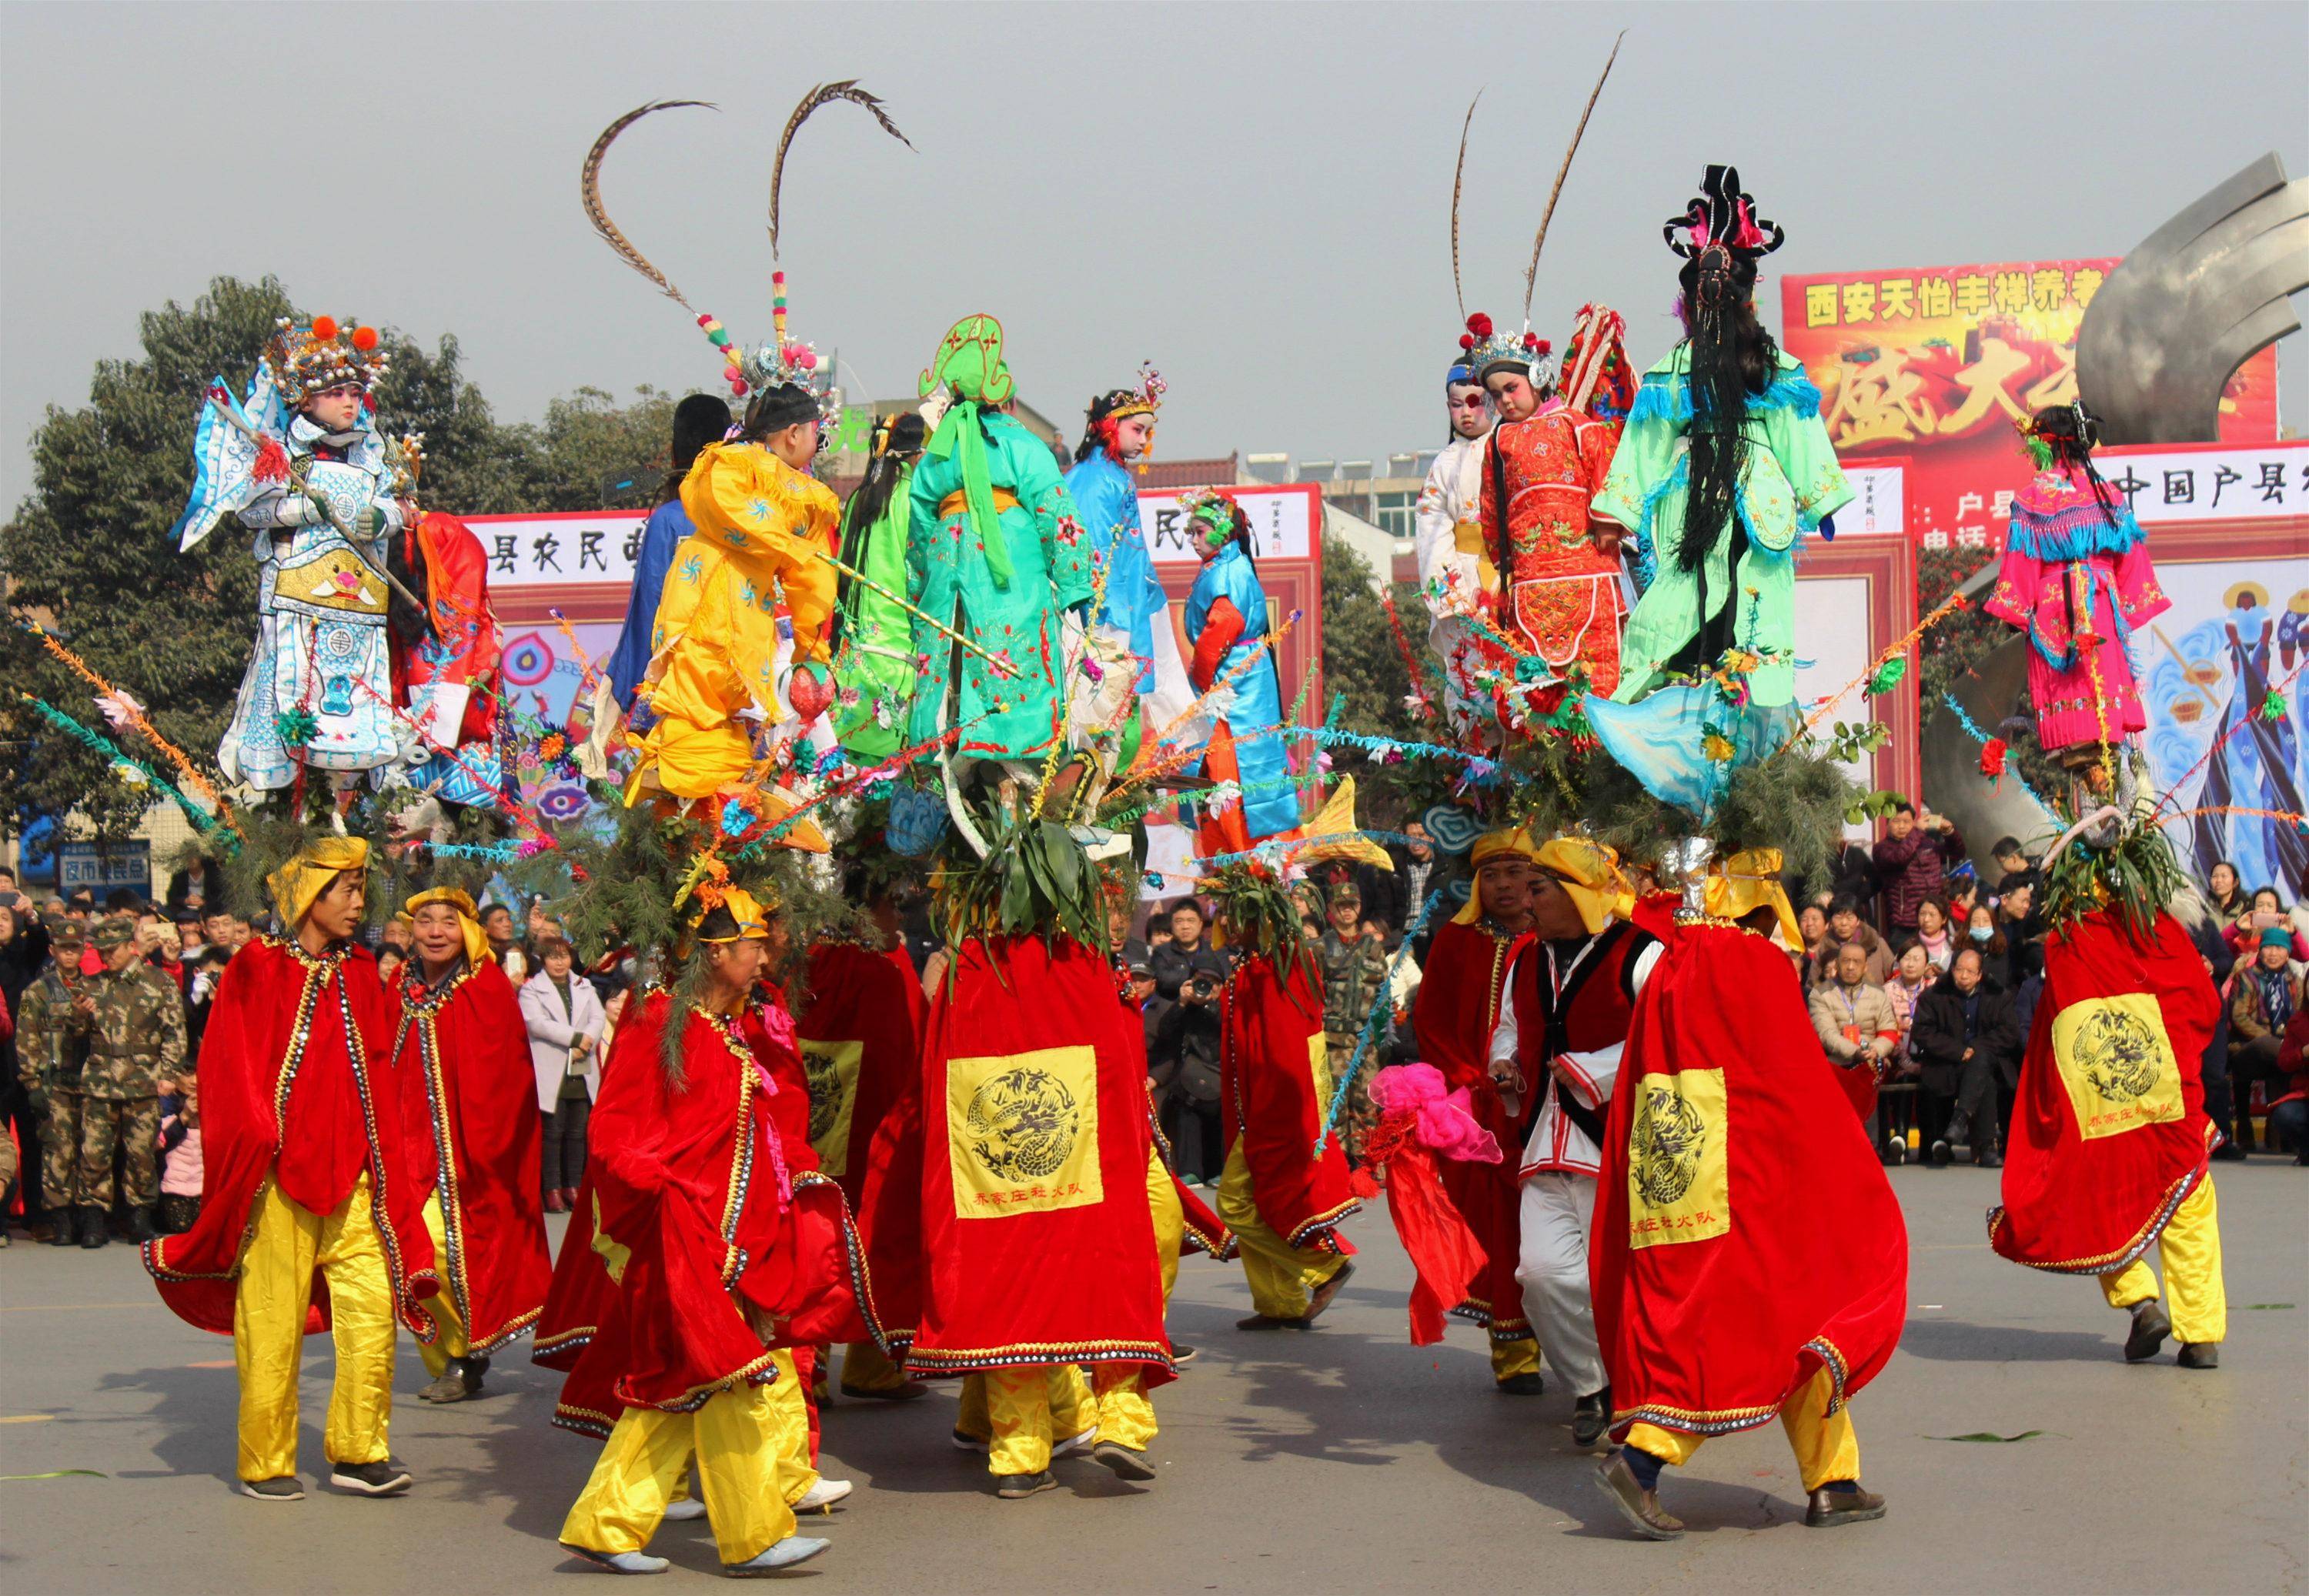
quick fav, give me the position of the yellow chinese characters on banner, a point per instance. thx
(1936, 364)
(1022, 1132)
(2116, 1062)
(833, 1068)
(1679, 1159)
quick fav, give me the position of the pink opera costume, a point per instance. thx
(299, 464)
(2076, 580)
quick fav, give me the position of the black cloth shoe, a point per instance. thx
(1941, 1154)
(1262, 1322)
(2201, 1355)
(1181, 1353)
(475, 1368)
(1011, 1487)
(2150, 1329)
(285, 1488)
(92, 1232)
(387, 1478)
(1527, 1384)
(1830, 1507)
(1591, 1416)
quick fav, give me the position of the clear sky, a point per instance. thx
(1253, 196)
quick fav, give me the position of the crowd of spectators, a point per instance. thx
(188, 937)
(1916, 971)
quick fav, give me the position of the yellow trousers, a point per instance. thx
(1125, 1414)
(865, 1367)
(788, 1408)
(452, 1342)
(1825, 1445)
(1282, 1277)
(2190, 1248)
(1021, 1411)
(286, 1245)
(736, 1438)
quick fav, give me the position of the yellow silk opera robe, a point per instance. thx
(714, 647)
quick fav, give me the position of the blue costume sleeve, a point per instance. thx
(668, 525)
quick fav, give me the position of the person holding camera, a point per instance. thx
(1188, 974)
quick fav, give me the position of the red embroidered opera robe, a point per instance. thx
(1275, 1080)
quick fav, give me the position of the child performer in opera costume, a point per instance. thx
(1132, 625)
(310, 1182)
(2077, 581)
(472, 1141)
(1456, 575)
(299, 463)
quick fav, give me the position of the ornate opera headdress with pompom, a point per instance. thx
(325, 355)
(783, 360)
(1108, 410)
(1487, 350)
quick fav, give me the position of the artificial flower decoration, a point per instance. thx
(1992, 758)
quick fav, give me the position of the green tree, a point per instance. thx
(590, 453)
(91, 550)
(1364, 674)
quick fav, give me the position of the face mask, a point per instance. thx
(1983, 933)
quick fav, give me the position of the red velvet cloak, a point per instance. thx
(861, 1040)
(1274, 1078)
(1453, 1015)
(297, 1045)
(681, 1201)
(473, 1135)
(2109, 1132)
(1036, 1243)
(1745, 1234)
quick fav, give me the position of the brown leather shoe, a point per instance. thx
(1829, 1508)
(1638, 1506)
(1322, 1296)
(2150, 1328)
(2201, 1355)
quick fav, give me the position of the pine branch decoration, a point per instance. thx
(825, 94)
(589, 190)
(1531, 275)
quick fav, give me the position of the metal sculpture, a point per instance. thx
(2194, 300)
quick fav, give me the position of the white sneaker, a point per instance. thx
(822, 1497)
(785, 1554)
(1074, 1443)
(685, 1510)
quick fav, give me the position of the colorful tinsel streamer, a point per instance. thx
(1898, 648)
(1972, 731)
(2172, 793)
(1412, 661)
(186, 773)
(98, 742)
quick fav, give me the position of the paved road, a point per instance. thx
(1343, 1459)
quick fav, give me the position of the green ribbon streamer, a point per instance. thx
(97, 742)
(958, 438)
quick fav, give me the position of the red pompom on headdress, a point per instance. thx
(324, 327)
(1480, 326)
(364, 338)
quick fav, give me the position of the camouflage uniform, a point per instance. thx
(1353, 973)
(51, 1044)
(135, 1039)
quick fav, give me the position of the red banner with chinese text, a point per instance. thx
(1936, 363)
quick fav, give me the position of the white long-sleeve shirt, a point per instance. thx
(1555, 1143)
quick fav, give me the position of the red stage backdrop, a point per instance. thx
(1935, 364)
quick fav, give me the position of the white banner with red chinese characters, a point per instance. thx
(2209, 481)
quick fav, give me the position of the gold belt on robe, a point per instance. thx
(956, 502)
(1467, 537)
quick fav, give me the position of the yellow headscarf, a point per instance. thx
(1490, 846)
(469, 918)
(749, 917)
(1748, 881)
(1589, 873)
(305, 877)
